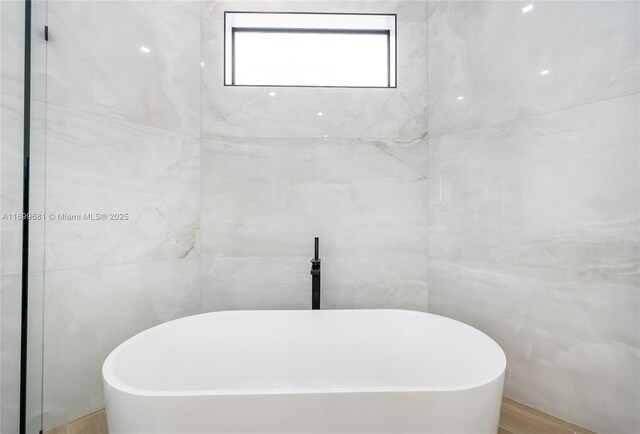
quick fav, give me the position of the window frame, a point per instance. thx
(285, 30)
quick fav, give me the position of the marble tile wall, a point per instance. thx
(12, 43)
(534, 196)
(493, 55)
(11, 190)
(110, 269)
(122, 137)
(274, 175)
(251, 112)
(95, 63)
(103, 165)
(92, 310)
(263, 197)
(292, 112)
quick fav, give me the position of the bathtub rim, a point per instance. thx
(110, 379)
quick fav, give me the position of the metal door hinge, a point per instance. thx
(46, 33)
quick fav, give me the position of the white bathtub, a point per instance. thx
(327, 371)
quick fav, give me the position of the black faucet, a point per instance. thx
(315, 279)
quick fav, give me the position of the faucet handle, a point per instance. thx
(317, 247)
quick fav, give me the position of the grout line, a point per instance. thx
(404, 255)
(460, 300)
(200, 256)
(3, 93)
(429, 171)
(89, 267)
(200, 89)
(411, 141)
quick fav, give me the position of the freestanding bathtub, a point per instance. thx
(323, 371)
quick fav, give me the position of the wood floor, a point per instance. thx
(92, 423)
(515, 418)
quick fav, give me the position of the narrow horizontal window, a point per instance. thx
(310, 49)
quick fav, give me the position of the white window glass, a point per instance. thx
(332, 50)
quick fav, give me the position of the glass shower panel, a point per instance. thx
(22, 153)
(36, 281)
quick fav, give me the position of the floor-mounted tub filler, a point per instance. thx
(322, 371)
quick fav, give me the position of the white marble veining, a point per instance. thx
(570, 336)
(533, 238)
(237, 283)
(12, 48)
(95, 62)
(11, 120)
(92, 310)
(370, 196)
(534, 222)
(270, 197)
(292, 112)
(508, 64)
(100, 165)
(375, 282)
(559, 189)
(285, 283)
